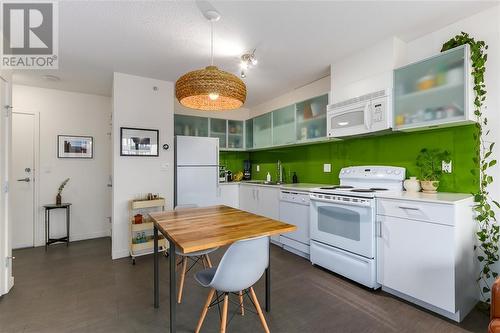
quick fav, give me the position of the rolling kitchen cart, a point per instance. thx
(141, 235)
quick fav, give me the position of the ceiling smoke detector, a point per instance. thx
(51, 78)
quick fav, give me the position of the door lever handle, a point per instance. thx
(27, 180)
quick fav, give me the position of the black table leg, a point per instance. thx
(268, 281)
(67, 225)
(46, 229)
(173, 285)
(156, 277)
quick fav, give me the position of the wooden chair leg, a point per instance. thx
(259, 310)
(208, 261)
(223, 321)
(205, 309)
(204, 261)
(183, 275)
(242, 309)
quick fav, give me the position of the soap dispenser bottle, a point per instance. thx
(294, 178)
(268, 177)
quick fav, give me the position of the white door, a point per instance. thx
(6, 278)
(22, 180)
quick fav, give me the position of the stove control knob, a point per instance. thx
(388, 171)
(397, 172)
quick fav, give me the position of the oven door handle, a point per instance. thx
(339, 203)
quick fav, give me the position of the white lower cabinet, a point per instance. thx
(425, 254)
(229, 195)
(248, 198)
(261, 200)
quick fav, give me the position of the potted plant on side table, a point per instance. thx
(429, 161)
(59, 191)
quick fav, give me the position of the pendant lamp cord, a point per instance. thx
(212, 42)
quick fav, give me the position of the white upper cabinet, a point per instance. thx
(434, 92)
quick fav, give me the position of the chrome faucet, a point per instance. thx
(280, 172)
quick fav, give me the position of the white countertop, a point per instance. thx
(440, 197)
(304, 187)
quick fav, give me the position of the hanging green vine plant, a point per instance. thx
(488, 233)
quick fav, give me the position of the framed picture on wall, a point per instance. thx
(74, 146)
(138, 141)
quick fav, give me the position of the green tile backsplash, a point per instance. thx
(396, 149)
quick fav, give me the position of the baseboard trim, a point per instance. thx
(118, 254)
(79, 237)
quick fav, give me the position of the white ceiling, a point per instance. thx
(295, 41)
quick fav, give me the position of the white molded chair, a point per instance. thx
(241, 267)
(195, 257)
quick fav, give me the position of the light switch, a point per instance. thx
(327, 167)
(164, 166)
(258, 168)
(446, 166)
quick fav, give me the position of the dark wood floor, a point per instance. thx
(80, 289)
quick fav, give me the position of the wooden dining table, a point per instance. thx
(196, 229)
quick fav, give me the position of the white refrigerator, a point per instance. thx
(196, 171)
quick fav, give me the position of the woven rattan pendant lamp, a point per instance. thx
(211, 88)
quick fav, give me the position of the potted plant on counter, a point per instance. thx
(429, 161)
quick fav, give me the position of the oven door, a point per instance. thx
(349, 120)
(349, 226)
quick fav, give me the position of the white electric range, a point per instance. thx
(342, 221)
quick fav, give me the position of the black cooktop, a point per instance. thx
(368, 190)
(337, 187)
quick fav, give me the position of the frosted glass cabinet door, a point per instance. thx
(262, 134)
(218, 129)
(284, 125)
(433, 91)
(190, 126)
(249, 134)
(311, 118)
(235, 134)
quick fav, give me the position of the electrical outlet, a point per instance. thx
(446, 166)
(327, 167)
(258, 168)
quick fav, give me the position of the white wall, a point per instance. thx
(137, 104)
(313, 89)
(6, 279)
(70, 113)
(366, 71)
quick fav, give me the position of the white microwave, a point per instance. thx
(371, 113)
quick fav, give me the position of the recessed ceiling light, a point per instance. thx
(49, 77)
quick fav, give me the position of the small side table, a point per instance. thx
(49, 240)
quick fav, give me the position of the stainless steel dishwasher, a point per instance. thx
(294, 209)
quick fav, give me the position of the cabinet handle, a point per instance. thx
(379, 229)
(257, 190)
(409, 208)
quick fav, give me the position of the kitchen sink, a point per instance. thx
(263, 182)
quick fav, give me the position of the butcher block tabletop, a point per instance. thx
(197, 229)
